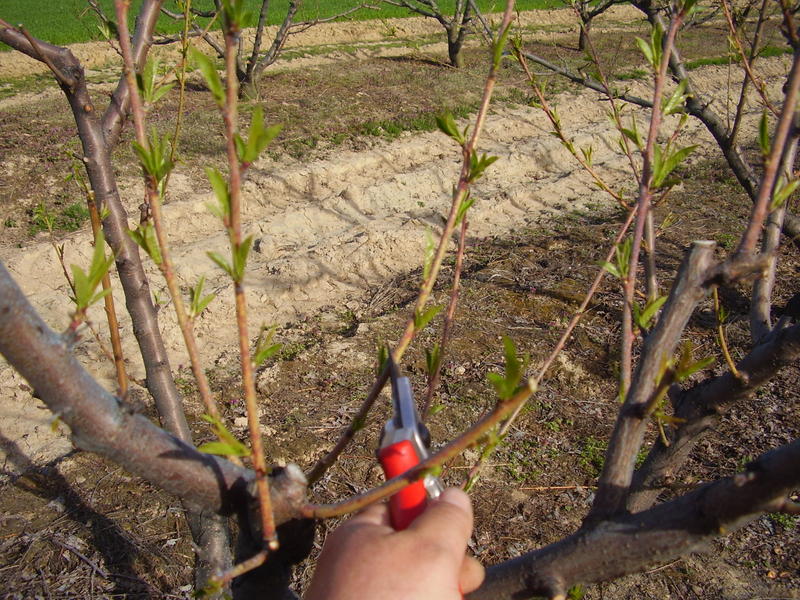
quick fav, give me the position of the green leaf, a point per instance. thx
(145, 237)
(465, 205)
(258, 138)
(147, 82)
(222, 263)
(652, 49)
(209, 71)
(633, 135)
(499, 46)
(264, 347)
(763, 134)
(161, 91)
(695, 367)
(430, 253)
(155, 158)
(86, 284)
(644, 318)
(383, 358)
(220, 187)
(587, 155)
(506, 385)
(479, 164)
(665, 163)
(423, 317)
(783, 190)
(81, 283)
(198, 301)
(646, 50)
(675, 103)
(687, 366)
(447, 125)
(240, 254)
(235, 16)
(622, 259)
(689, 7)
(611, 268)
(223, 449)
(433, 357)
(231, 445)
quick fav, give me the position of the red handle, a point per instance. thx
(407, 504)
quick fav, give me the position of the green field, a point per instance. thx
(71, 22)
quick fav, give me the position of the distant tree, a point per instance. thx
(587, 10)
(456, 26)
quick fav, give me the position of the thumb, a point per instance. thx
(448, 519)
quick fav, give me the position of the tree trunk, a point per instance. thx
(583, 37)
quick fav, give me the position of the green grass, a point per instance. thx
(71, 22)
(69, 218)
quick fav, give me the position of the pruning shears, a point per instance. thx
(405, 442)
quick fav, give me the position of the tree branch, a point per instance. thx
(702, 406)
(689, 288)
(649, 538)
(117, 111)
(587, 81)
(99, 423)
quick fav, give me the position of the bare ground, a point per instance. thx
(339, 238)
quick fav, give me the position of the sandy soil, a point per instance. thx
(328, 230)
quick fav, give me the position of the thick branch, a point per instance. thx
(702, 406)
(761, 305)
(689, 288)
(587, 81)
(97, 160)
(100, 424)
(277, 43)
(117, 111)
(650, 538)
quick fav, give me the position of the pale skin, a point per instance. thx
(365, 558)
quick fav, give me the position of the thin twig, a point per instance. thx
(449, 318)
(229, 115)
(562, 341)
(723, 344)
(747, 61)
(181, 72)
(644, 201)
(80, 555)
(154, 203)
(773, 163)
(469, 438)
(117, 356)
(556, 488)
(241, 568)
(555, 121)
(459, 194)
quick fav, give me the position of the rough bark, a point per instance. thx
(97, 139)
(703, 405)
(100, 423)
(649, 538)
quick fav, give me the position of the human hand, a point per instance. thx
(365, 558)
